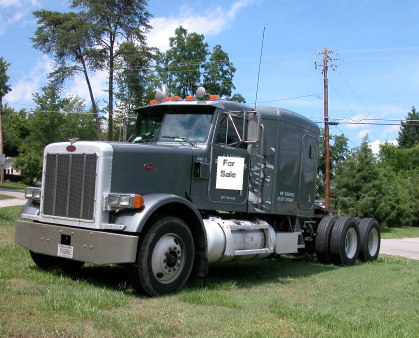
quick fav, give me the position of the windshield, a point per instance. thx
(168, 125)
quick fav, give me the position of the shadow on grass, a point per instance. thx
(242, 274)
(258, 272)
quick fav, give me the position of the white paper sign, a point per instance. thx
(230, 173)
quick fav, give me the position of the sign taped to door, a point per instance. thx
(230, 173)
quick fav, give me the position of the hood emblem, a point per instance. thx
(150, 166)
(72, 147)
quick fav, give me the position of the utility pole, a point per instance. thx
(326, 58)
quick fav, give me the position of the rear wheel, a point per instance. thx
(47, 262)
(165, 257)
(322, 244)
(344, 241)
(370, 239)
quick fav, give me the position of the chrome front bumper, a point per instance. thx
(89, 246)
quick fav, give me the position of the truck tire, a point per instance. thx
(47, 262)
(344, 241)
(370, 239)
(322, 244)
(165, 257)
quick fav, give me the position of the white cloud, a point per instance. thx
(364, 133)
(27, 85)
(391, 130)
(98, 82)
(209, 23)
(23, 90)
(10, 3)
(19, 3)
(375, 146)
(16, 11)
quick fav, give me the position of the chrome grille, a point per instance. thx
(69, 185)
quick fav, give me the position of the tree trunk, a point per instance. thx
(92, 99)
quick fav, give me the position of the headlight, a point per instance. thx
(122, 201)
(33, 193)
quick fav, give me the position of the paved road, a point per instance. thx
(19, 198)
(404, 247)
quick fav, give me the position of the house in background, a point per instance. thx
(8, 167)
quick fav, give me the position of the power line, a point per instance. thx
(292, 98)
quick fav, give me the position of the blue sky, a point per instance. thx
(376, 44)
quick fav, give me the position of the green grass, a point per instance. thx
(13, 185)
(5, 197)
(402, 232)
(286, 297)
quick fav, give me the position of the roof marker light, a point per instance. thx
(189, 98)
(159, 96)
(200, 93)
(213, 97)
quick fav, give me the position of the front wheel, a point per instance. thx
(165, 257)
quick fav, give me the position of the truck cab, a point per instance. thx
(199, 182)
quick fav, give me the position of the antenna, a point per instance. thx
(260, 62)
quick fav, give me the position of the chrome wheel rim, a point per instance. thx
(351, 242)
(373, 240)
(167, 260)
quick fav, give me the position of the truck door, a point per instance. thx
(229, 160)
(308, 169)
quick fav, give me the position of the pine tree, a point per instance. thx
(356, 187)
(409, 130)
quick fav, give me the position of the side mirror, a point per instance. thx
(253, 128)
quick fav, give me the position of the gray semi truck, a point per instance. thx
(200, 181)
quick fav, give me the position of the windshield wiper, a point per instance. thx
(180, 139)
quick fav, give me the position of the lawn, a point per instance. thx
(284, 297)
(5, 197)
(387, 233)
(13, 185)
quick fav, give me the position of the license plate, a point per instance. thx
(65, 251)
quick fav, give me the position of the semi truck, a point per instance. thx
(200, 181)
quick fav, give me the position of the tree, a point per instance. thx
(399, 159)
(399, 203)
(339, 150)
(69, 39)
(219, 73)
(53, 120)
(409, 130)
(188, 64)
(238, 98)
(180, 67)
(134, 87)
(15, 130)
(111, 20)
(357, 190)
(4, 89)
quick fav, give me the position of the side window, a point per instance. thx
(230, 130)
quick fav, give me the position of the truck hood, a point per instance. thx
(151, 168)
